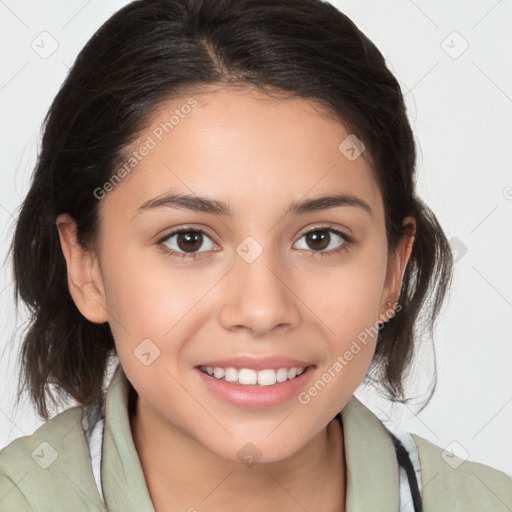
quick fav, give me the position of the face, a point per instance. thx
(259, 280)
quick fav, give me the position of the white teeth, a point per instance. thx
(292, 372)
(218, 373)
(282, 374)
(247, 376)
(231, 374)
(267, 377)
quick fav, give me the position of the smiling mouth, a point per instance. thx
(250, 377)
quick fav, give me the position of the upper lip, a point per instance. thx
(258, 363)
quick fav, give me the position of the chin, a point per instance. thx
(259, 448)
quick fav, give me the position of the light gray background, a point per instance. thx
(460, 105)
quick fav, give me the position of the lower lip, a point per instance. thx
(256, 397)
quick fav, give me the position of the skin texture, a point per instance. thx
(257, 154)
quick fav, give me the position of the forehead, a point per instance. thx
(238, 145)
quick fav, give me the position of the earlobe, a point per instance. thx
(84, 276)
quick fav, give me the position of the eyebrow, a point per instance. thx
(206, 205)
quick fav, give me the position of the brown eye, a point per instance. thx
(188, 241)
(318, 240)
(324, 240)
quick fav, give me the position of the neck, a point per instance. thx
(181, 474)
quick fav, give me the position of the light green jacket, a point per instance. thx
(51, 470)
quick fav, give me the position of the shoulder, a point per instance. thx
(49, 468)
(452, 483)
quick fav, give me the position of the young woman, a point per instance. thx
(225, 205)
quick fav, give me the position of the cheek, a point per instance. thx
(151, 298)
(349, 299)
(141, 289)
(349, 304)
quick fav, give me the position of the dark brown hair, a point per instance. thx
(153, 50)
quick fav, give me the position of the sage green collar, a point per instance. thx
(372, 471)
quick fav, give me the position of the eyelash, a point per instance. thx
(347, 243)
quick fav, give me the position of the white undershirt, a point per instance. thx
(94, 440)
(406, 503)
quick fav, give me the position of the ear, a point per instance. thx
(397, 262)
(84, 275)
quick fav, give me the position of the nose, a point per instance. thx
(259, 297)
